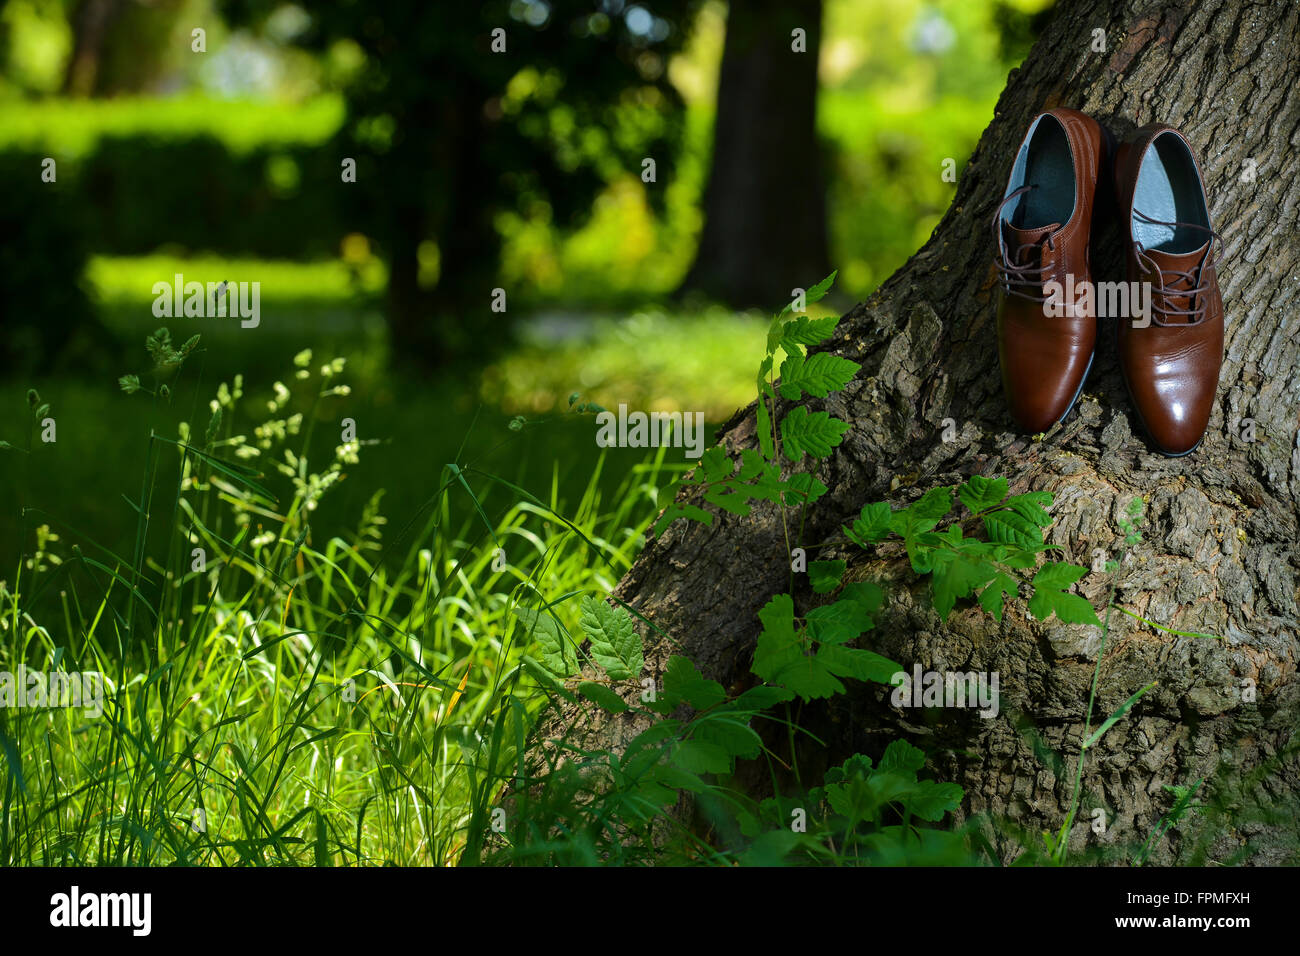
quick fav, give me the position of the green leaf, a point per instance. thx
(683, 510)
(826, 575)
(955, 578)
(558, 654)
(760, 698)
(848, 617)
(818, 292)
(683, 681)
(837, 623)
(872, 525)
(1011, 527)
(814, 434)
(652, 736)
(778, 645)
(615, 644)
(1014, 556)
(774, 331)
(803, 489)
(816, 375)
(733, 734)
(1031, 505)
(13, 764)
(805, 331)
(716, 465)
(1069, 608)
(993, 596)
(901, 756)
(979, 493)
(810, 678)
(857, 663)
(701, 756)
(1058, 575)
(1111, 720)
(930, 800)
(935, 503)
(751, 465)
(779, 657)
(129, 384)
(771, 848)
(907, 524)
(730, 497)
(1049, 596)
(671, 775)
(867, 594)
(768, 485)
(602, 697)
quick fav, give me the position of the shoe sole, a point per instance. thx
(1079, 391)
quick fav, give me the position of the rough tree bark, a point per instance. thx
(1219, 553)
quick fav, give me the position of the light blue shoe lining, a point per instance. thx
(1169, 188)
(1044, 161)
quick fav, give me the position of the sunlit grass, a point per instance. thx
(296, 701)
(73, 127)
(650, 359)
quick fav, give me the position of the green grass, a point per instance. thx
(415, 425)
(71, 128)
(652, 359)
(230, 734)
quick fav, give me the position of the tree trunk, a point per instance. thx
(91, 22)
(1219, 547)
(765, 204)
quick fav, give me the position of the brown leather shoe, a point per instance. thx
(1171, 365)
(1042, 228)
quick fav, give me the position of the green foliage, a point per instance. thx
(1050, 596)
(442, 697)
(863, 815)
(732, 486)
(356, 698)
(615, 645)
(809, 660)
(814, 434)
(1182, 807)
(961, 567)
(556, 651)
(36, 412)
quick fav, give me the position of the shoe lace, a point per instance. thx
(1010, 270)
(1178, 283)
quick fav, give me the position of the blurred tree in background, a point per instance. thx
(765, 206)
(521, 170)
(450, 126)
(524, 169)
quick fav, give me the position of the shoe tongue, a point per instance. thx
(1179, 261)
(1168, 262)
(1020, 241)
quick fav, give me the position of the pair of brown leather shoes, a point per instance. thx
(1169, 313)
